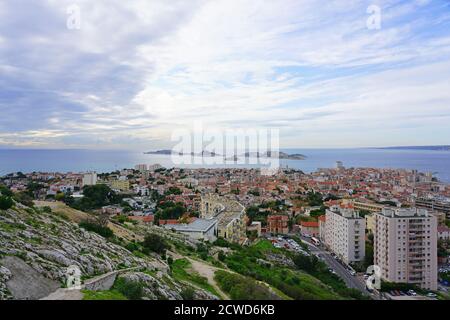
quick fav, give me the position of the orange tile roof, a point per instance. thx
(168, 221)
(309, 224)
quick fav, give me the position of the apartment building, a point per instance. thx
(278, 224)
(322, 223)
(89, 179)
(345, 234)
(141, 167)
(367, 206)
(230, 215)
(121, 185)
(434, 204)
(405, 246)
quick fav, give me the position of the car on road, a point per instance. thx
(353, 273)
(431, 295)
(411, 293)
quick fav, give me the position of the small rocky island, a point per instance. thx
(205, 153)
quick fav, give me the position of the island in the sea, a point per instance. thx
(204, 153)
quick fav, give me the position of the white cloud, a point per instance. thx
(142, 68)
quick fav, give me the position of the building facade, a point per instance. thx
(199, 229)
(405, 246)
(121, 185)
(89, 179)
(309, 228)
(230, 215)
(345, 234)
(434, 204)
(278, 224)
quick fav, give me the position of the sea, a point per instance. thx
(30, 160)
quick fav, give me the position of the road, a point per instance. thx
(355, 282)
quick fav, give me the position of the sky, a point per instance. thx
(113, 74)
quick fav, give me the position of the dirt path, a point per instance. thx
(65, 294)
(208, 272)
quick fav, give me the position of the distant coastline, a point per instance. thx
(82, 160)
(431, 148)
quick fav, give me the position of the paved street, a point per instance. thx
(355, 282)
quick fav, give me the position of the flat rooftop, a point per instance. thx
(199, 225)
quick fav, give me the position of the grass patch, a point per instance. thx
(103, 295)
(242, 288)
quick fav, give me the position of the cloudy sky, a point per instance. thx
(136, 70)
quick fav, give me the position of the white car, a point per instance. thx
(412, 293)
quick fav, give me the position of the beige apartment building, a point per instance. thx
(345, 234)
(121, 185)
(89, 179)
(405, 246)
(230, 215)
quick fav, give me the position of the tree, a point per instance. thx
(4, 190)
(154, 243)
(5, 202)
(221, 256)
(60, 196)
(96, 197)
(173, 190)
(314, 199)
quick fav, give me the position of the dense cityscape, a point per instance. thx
(208, 159)
(347, 220)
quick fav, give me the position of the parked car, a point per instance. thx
(431, 295)
(411, 293)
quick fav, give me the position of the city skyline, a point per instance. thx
(127, 74)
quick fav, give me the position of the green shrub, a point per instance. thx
(242, 288)
(24, 198)
(188, 294)
(154, 243)
(47, 209)
(221, 256)
(5, 191)
(5, 202)
(133, 290)
(95, 227)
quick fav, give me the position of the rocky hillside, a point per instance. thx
(37, 246)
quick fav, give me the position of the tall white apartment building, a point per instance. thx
(405, 246)
(345, 234)
(89, 179)
(141, 167)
